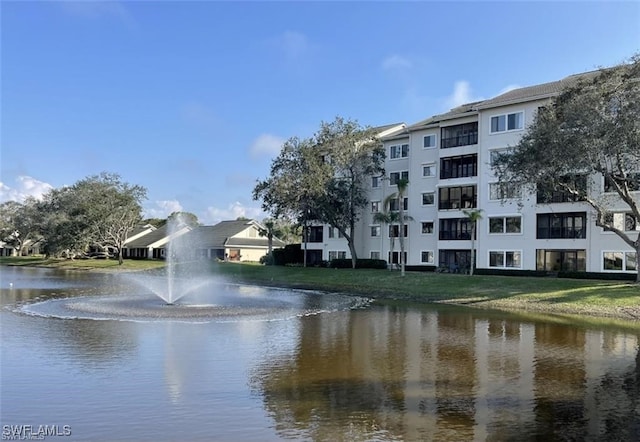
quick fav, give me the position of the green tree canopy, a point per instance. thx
(586, 144)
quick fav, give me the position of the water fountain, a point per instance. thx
(187, 289)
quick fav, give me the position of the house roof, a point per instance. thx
(150, 238)
(224, 234)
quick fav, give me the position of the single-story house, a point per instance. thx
(237, 240)
(149, 242)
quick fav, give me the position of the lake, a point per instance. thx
(311, 366)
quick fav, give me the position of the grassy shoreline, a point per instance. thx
(606, 299)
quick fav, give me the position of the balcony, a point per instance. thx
(459, 135)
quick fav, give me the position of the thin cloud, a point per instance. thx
(94, 10)
(396, 62)
(461, 94)
(233, 211)
(509, 88)
(162, 209)
(266, 145)
(26, 187)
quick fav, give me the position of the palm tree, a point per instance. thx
(400, 216)
(474, 216)
(386, 218)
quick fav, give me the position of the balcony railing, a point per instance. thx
(460, 140)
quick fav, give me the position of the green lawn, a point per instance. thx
(599, 298)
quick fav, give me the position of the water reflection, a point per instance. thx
(399, 373)
(377, 373)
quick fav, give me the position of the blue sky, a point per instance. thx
(192, 100)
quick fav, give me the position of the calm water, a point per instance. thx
(379, 372)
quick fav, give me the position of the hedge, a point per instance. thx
(360, 264)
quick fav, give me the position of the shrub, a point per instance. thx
(360, 264)
(598, 275)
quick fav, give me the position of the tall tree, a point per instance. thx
(590, 130)
(187, 218)
(391, 217)
(19, 223)
(323, 179)
(110, 209)
(353, 154)
(474, 216)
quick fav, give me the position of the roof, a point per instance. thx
(224, 234)
(150, 238)
(520, 95)
(536, 92)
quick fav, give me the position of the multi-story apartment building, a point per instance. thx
(447, 159)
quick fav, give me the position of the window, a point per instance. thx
(503, 191)
(374, 254)
(463, 197)
(429, 141)
(331, 232)
(399, 151)
(375, 230)
(459, 135)
(375, 206)
(394, 230)
(507, 122)
(561, 225)
(547, 194)
(633, 181)
(427, 227)
(375, 182)
(459, 167)
(428, 198)
(495, 154)
(561, 260)
(395, 257)
(394, 177)
(427, 257)
(337, 255)
(393, 204)
(314, 234)
(623, 221)
(505, 224)
(429, 170)
(620, 261)
(505, 259)
(455, 229)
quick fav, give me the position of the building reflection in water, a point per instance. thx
(396, 373)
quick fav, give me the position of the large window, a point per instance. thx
(459, 135)
(507, 122)
(633, 182)
(502, 191)
(505, 224)
(623, 221)
(561, 260)
(511, 259)
(375, 182)
(561, 225)
(455, 229)
(315, 234)
(375, 230)
(455, 261)
(459, 167)
(463, 197)
(399, 151)
(620, 261)
(546, 194)
(394, 177)
(429, 141)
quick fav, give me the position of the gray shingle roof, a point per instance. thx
(148, 239)
(221, 235)
(536, 92)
